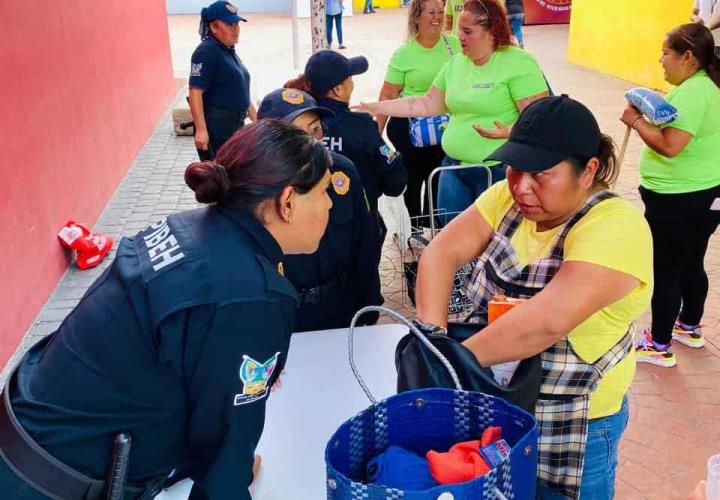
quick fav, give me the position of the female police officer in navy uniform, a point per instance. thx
(328, 77)
(219, 95)
(342, 276)
(180, 340)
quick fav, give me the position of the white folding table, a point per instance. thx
(318, 393)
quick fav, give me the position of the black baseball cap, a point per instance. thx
(549, 131)
(326, 68)
(225, 11)
(288, 104)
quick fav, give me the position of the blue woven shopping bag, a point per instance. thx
(432, 419)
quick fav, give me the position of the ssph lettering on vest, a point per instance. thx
(333, 143)
(162, 246)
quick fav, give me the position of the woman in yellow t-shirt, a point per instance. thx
(483, 89)
(554, 234)
(680, 186)
(410, 72)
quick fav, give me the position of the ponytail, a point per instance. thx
(608, 169)
(204, 29)
(299, 83)
(713, 69)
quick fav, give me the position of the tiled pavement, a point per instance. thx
(675, 413)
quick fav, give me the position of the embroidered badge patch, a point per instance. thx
(231, 8)
(388, 152)
(255, 377)
(195, 69)
(340, 182)
(292, 96)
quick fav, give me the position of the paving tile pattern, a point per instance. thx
(152, 188)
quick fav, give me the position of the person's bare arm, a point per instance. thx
(432, 103)
(695, 16)
(535, 325)
(462, 240)
(667, 141)
(388, 92)
(195, 100)
(714, 21)
(501, 130)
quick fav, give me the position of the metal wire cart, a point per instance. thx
(416, 237)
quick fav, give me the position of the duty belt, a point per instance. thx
(47, 474)
(226, 113)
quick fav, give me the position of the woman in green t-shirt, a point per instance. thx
(680, 186)
(411, 71)
(484, 89)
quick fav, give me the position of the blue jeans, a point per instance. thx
(598, 478)
(516, 22)
(368, 6)
(329, 26)
(458, 189)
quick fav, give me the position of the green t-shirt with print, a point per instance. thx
(454, 8)
(415, 67)
(697, 100)
(482, 95)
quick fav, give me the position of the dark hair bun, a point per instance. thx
(209, 180)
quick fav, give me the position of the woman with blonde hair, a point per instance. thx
(411, 72)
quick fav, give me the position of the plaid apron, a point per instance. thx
(567, 381)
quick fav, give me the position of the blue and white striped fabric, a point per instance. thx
(427, 130)
(432, 419)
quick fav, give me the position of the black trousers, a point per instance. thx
(681, 226)
(221, 124)
(419, 163)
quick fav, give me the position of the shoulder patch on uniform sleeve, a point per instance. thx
(195, 69)
(255, 377)
(388, 152)
(340, 182)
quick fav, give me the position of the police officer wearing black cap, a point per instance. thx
(342, 276)
(328, 77)
(219, 95)
(179, 341)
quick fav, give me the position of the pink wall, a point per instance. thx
(82, 85)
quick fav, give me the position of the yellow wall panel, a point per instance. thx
(383, 4)
(624, 37)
